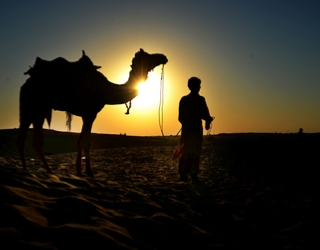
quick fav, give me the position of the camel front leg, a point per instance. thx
(87, 155)
(79, 155)
(23, 130)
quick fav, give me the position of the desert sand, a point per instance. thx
(258, 191)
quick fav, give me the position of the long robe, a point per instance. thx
(192, 110)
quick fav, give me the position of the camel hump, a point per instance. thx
(42, 66)
(61, 65)
(86, 62)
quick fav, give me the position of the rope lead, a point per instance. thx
(160, 110)
(128, 107)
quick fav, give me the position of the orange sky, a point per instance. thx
(258, 62)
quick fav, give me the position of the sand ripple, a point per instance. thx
(136, 201)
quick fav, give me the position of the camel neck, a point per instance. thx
(111, 93)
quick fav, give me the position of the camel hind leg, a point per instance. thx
(38, 143)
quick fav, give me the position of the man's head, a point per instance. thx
(194, 84)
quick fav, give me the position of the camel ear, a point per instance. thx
(83, 53)
(141, 50)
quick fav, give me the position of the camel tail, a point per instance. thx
(69, 120)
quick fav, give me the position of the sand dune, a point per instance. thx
(136, 200)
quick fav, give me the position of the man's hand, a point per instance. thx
(208, 122)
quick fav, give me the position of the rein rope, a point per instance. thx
(160, 109)
(209, 130)
(161, 102)
(128, 106)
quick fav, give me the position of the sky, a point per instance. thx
(259, 61)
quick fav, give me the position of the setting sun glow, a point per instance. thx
(149, 92)
(260, 76)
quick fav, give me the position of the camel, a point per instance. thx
(77, 88)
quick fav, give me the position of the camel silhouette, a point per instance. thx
(79, 89)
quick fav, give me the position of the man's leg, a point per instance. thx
(194, 168)
(183, 169)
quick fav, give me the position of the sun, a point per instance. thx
(149, 92)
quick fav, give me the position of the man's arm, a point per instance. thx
(206, 114)
(182, 111)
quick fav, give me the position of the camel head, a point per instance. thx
(143, 62)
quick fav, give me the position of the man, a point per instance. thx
(192, 110)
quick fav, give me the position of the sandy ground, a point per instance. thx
(136, 201)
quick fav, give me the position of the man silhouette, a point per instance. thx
(192, 110)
